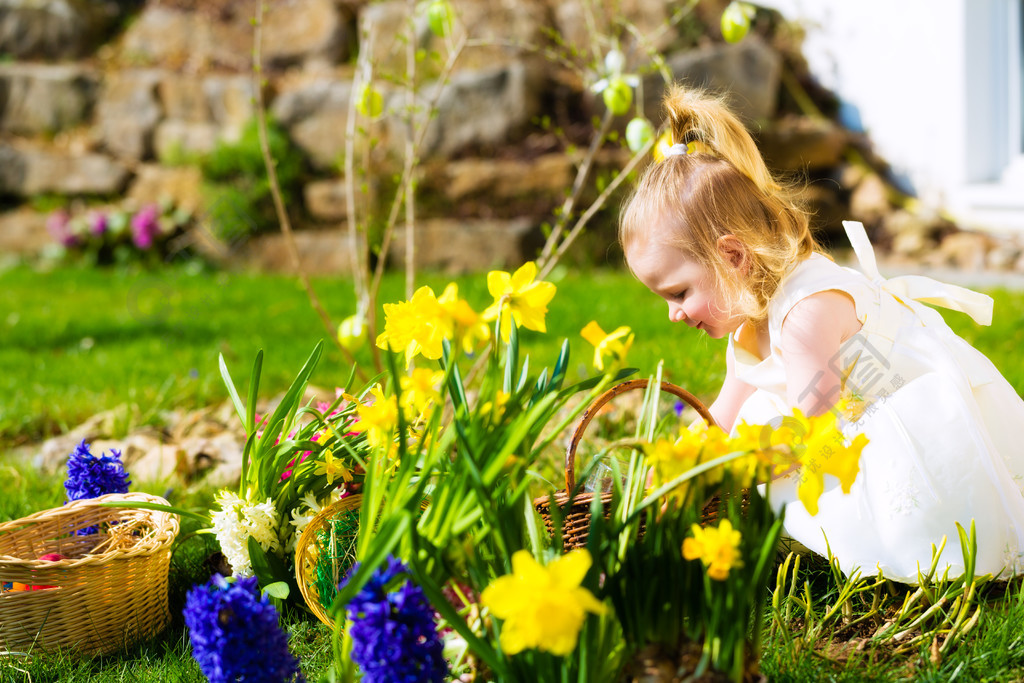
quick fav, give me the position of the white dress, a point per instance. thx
(946, 430)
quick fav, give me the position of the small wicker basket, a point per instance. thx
(576, 514)
(108, 591)
(325, 552)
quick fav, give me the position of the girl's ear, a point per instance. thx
(732, 249)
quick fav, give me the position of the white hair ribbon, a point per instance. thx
(680, 148)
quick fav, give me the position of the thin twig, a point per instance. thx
(593, 209)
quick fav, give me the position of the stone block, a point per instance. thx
(465, 246)
(315, 114)
(304, 31)
(321, 252)
(23, 231)
(803, 143)
(180, 185)
(45, 98)
(31, 169)
(748, 73)
(174, 138)
(55, 29)
(479, 108)
(128, 112)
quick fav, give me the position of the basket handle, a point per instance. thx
(600, 401)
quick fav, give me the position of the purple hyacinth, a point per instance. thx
(58, 224)
(145, 226)
(99, 223)
(235, 633)
(394, 637)
(90, 476)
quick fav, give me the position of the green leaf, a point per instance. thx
(232, 392)
(278, 589)
(254, 383)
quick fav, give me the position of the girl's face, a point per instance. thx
(687, 286)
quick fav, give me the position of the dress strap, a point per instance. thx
(918, 287)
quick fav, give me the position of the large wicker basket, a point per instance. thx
(110, 589)
(576, 513)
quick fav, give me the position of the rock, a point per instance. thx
(31, 169)
(188, 41)
(802, 143)
(128, 112)
(326, 200)
(465, 246)
(647, 16)
(45, 99)
(321, 252)
(478, 108)
(548, 174)
(179, 185)
(183, 98)
(306, 31)
(965, 250)
(1003, 255)
(23, 231)
(749, 72)
(55, 29)
(231, 102)
(315, 114)
(869, 201)
(174, 138)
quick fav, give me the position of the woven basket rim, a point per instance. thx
(352, 502)
(165, 524)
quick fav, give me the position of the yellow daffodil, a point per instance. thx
(332, 468)
(518, 299)
(415, 326)
(495, 409)
(377, 418)
(672, 458)
(468, 325)
(542, 607)
(820, 448)
(718, 548)
(420, 391)
(608, 347)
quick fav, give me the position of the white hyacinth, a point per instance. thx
(311, 507)
(236, 521)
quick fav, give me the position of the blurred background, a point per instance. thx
(906, 116)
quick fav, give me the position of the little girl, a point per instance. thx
(710, 231)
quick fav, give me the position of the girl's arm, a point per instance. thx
(734, 392)
(812, 333)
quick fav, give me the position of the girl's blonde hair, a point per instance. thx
(722, 187)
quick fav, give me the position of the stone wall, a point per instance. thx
(101, 96)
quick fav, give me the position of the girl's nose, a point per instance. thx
(675, 313)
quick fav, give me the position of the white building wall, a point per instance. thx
(910, 68)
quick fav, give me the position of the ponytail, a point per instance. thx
(720, 187)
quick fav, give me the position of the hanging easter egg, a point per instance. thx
(439, 16)
(618, 96)
(639, 132)
(736, 21)
(352, 333)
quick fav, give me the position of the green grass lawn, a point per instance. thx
(79, 341)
